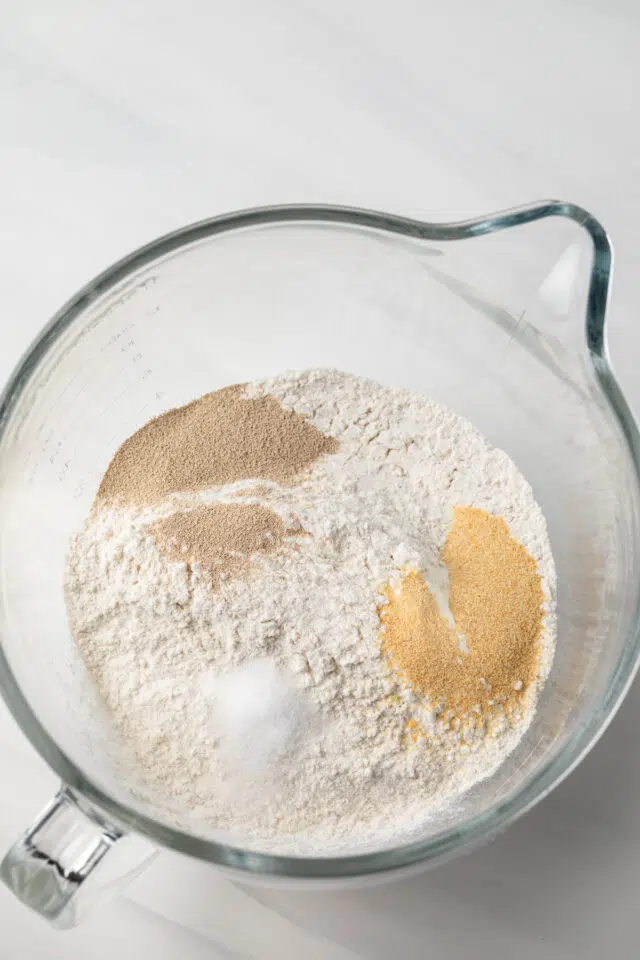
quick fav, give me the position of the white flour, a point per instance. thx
(159, 644)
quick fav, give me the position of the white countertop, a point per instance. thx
(120, 121)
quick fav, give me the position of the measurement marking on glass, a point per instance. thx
(112, 376)
(63, 391)
(116, 398)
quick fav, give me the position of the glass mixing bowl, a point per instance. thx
(500, 318)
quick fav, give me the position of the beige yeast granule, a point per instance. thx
(222, 537)
(220, 438)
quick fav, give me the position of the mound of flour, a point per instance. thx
(161, 645)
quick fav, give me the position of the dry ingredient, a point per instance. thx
(306, 523)
(496, 600)
(222, 437)
(263, 714)
(222, 537)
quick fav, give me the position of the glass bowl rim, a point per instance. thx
(495, 818)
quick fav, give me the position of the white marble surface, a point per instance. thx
(119, 121)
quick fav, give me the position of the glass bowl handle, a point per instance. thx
(70, 860)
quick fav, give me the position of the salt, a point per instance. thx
(258, 715)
